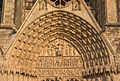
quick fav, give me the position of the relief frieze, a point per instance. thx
(59, 66)
(58, 62)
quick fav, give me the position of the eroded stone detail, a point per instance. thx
(55, 42)
(59, 45)
(113, 34)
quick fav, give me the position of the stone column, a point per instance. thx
(111, 11)
(8, 16)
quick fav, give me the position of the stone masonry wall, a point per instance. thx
(113, 34)
(6, 37)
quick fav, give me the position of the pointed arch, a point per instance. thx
(69, 27)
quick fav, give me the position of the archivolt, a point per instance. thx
(66, 26)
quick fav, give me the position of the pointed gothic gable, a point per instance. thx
(54, 30)
(42, 7)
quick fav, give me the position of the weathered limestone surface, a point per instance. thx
(6, 37)
(59, 40)
(113, 34)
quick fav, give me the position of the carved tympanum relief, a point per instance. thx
(58, 59)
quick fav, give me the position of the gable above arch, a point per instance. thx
(44, 6)
(76, 28)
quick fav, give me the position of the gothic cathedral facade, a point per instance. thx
(59, 40)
